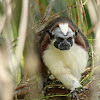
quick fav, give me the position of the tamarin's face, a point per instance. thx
(63, 37)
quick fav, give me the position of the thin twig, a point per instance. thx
(45, 97)
(81, 14)
(52, 85)
(49, 9)
(47, 13)
(84, 15)
(85, 2)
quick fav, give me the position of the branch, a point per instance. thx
(22, 31)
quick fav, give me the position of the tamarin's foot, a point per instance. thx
(75, 93)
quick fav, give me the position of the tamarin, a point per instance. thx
(63, 51)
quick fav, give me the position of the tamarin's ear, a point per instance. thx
(76, 31)
(50, 33)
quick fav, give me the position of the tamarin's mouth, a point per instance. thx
(62, 46)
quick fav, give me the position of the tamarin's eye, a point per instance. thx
(69, 39)
(60, 39)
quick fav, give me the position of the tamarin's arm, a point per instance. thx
(64, 75)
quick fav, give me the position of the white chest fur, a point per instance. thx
(71, 61)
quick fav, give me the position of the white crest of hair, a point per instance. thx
(64, 28)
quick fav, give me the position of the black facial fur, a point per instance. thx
(63, 43)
